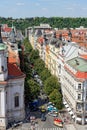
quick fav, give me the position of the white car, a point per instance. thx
(36, 76)
(54, 114)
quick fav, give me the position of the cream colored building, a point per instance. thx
(74, 82)
(69, 63)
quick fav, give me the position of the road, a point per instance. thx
(42, 125)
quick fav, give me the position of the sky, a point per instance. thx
(43, 8)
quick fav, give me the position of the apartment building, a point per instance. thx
(74, 81)
(68, 61)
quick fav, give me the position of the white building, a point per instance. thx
(74, 81)
(11, 89)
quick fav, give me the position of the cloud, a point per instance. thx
(20, 4)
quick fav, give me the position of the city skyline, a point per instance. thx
(43, 8)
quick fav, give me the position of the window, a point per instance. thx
(6, 97)
(2, 68)
(79, 106)
(16, 100)
(79, 96)
(86, 107)
(79, 86)
(86, 96)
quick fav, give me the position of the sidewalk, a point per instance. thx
(70, 127)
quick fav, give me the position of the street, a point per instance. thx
(38, 125)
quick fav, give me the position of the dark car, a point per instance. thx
(43, 117)
(19, 123)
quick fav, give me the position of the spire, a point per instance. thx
(12, 25)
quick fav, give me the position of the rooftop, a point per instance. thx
(14, 71)
(2, 46)
(78, 64)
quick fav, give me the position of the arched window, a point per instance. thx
(16, 100)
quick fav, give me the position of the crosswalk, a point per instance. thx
(40, 129)
(50, 128)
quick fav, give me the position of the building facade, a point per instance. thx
(68, 61)
(12, 108)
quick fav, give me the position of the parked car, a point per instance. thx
(36, 76)
(32, 118)
(58, 122)
(43, 117)
(53, 113)
(51, 108)
(16, 124)
(49, 103)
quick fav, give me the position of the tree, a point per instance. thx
(39, 65)
(32, 89)
(34, 55)
(50, 84)
(56, 98)
(28, 47)
(45, 74)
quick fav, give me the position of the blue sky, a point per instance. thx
(40, 8)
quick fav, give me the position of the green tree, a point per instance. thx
(39, 65)
(56, 98)
(45, 74)
(34, 55)
(28, 47)
(50, 84)
(32, 89)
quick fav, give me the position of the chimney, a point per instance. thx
(0, 35)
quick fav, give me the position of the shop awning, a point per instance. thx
(73, 116)
(70, 112)
(69, 109)
(78, 119)
(66, 105)
(64, 102)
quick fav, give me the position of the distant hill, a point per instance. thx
(55, 22)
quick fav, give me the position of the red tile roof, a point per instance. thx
(78, 74)
(8, 29)
(13, 58)
(40, 39)
(83, 56)
(81, 75)
(14, 70)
